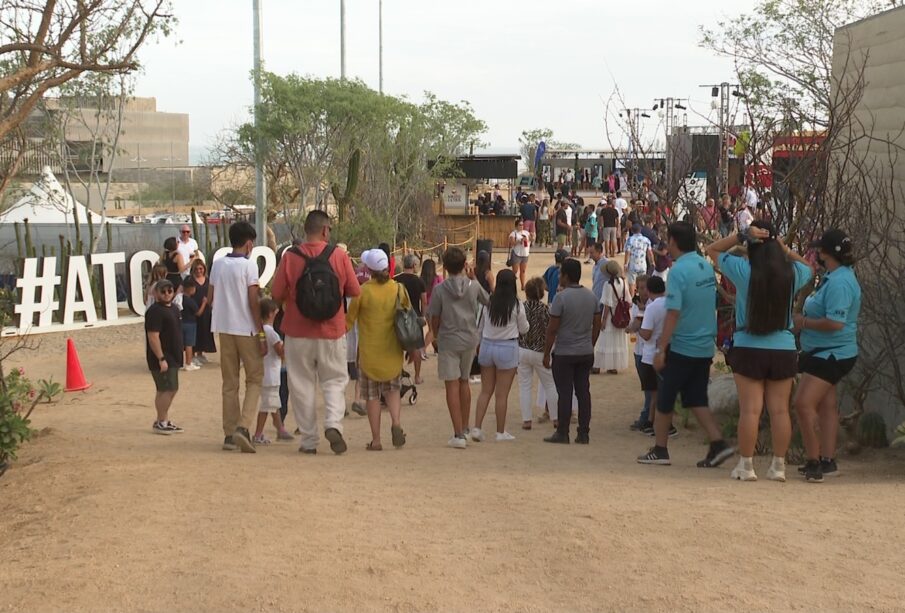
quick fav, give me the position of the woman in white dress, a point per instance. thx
(612, 352)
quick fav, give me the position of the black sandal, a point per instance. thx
(372, 447)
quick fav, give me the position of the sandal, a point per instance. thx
(398, 436)
(372, 447)
(526, 425)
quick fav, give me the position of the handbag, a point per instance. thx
(409, 331)
(510, 258)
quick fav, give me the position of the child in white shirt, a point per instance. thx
(270, 386)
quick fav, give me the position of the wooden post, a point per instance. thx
(445, 248)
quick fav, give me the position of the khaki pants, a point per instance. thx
(244, 350)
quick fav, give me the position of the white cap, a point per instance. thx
(375, 259)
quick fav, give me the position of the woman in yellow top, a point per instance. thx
(379, 353)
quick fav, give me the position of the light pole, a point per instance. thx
(722, 90)
(667, 107)
(139, 159)
(380, 38)
(171, 160)
(342, 39)
(260, 185)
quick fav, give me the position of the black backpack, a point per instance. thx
(317, 294)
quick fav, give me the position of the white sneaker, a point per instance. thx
(777, 470)
(202, 359)
(457, 443)
(504, 436)
(744, 470)
(197, 362)
(474, 380)
(189, 367)
(477, 435)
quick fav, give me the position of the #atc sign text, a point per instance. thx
(46, 302)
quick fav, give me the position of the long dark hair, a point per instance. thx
(504, 298)
(770, 285)
(482, 267)
(428, 273)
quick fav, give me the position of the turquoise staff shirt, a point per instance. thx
(738, 270)
(838, 297)
(691, 290)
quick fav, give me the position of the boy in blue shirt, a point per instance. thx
(551, 275)
(686, 347)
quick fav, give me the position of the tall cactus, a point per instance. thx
(78, 224)
(29, 246)
(20, 247)
(344, 199)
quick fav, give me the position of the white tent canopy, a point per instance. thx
(48, 202)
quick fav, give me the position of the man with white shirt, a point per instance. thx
(749, 195)
(187, 247)
(234, 297)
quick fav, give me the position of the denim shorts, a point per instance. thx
(189, 334)
(499, 354)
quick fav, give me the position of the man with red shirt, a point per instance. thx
(315, 350)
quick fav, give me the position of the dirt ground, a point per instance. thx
(99, 514)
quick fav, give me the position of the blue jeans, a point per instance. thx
(645, 412)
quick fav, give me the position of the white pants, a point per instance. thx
(554, 407)
(309, 362)
(529, 364)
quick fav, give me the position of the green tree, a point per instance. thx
(529, 140)
(45, 45)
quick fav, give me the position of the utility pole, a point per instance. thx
(380, 37)
(260, 184)
(342, 39)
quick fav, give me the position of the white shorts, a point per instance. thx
(270, 399)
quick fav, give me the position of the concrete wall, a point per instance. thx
(880, 40)
(878, 45)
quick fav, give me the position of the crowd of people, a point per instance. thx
(328, 323)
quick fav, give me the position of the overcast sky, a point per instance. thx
(522, 64)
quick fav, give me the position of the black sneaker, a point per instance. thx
(582, 439)
(812, 472)
(337, 443)
(243, 441)
(161, 427)
(228, 444)
(647, 429)
(557, 437)
(718, 453)
(827, 466)
(307, 451)
(637, 425)
(656, 455)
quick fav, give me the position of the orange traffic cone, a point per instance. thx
(75, 378)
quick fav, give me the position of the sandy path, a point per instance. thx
(101, 515)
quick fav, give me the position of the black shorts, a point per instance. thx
(649, 377)
(166, 381)
(829, 369)
(763, 364)
(686, 376)
(591, 240)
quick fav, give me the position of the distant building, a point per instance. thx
(148, 138)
